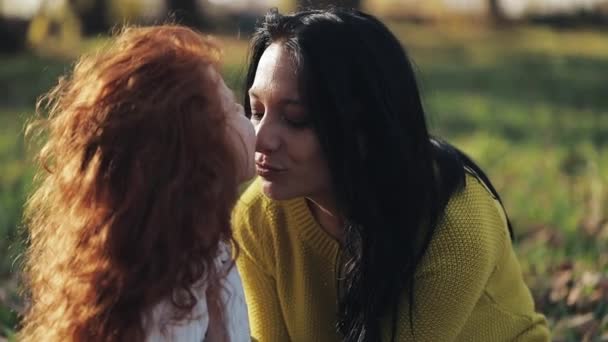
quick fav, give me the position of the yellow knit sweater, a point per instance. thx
(469, 285)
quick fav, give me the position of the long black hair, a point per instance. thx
(390, 178)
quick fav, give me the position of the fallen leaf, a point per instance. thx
(574, 296)
(590, 331)
(581, 322)
(590, 279)
(560, 285)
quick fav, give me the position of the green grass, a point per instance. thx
(22, 78)
(529, 104)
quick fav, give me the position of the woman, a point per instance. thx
(361, 227)
(129, 224)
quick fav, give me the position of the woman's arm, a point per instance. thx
(453, 274)
(255, 260)
(263, 305)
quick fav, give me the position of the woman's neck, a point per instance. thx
(324, 211)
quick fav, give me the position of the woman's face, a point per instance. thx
(240, 132)
(288, 155)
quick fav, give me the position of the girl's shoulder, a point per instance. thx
(160, 326)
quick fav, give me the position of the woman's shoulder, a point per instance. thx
(255, 211)
(256, 222)
(475, 213)
(250, 216)
(474, 199)
(471, 235)
(253, 200)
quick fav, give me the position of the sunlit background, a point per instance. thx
(520, 85)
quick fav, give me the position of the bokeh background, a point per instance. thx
(520, 85)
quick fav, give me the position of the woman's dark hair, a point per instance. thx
(391, 179)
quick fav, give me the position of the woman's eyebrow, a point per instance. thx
(287, 101)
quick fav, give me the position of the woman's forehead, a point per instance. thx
(276, 74)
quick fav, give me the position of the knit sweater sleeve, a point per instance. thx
(458, 263)
(255, 264)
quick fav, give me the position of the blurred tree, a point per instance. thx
(93, 15)
(126, 11)
(55, 30)
(186, 12)
(496, 12)
(12, 34)
(325, 3)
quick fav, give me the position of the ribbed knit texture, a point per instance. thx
(469, 285)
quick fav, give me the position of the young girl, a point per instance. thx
(129, 222)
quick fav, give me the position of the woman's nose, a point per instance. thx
(267, 136)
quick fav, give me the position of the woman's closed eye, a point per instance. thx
(297, 122)
(292, 121)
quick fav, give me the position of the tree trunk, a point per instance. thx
(93, 15)
(326, 3)
(13, 32)
(186, 12)
(496, 12)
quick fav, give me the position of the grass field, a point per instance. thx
(529, 104)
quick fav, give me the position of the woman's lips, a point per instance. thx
(268, 171)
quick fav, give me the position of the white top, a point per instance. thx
(160, 328)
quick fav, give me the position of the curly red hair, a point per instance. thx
(136, 183)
